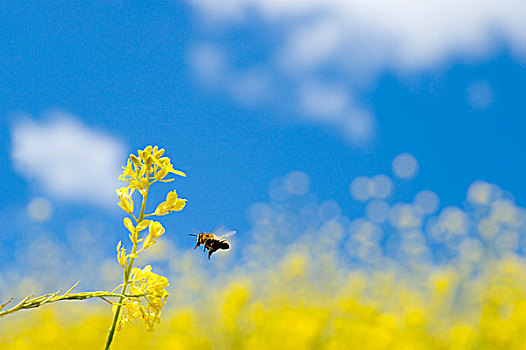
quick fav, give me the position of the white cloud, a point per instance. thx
(251, 86)
(359, 126)
(67, 159)
(405, 33)
(212, 67)
(357, 40)
(324, 102)
(315, 101)
(209, 63)
(333, 105)
(312, 44)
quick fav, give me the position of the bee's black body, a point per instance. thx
(210, 242)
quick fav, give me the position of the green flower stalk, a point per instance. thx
(31, 302)
(141, 172)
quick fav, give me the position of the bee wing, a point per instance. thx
(219, 230)
(228, 234)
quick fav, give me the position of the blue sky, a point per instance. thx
(247, 92)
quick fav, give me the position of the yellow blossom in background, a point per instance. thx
(239, 313)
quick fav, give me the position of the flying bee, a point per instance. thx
(212, 242)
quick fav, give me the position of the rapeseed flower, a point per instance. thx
(140, 172)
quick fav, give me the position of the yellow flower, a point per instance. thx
(165, 161)
(125, 199)
(148, 307)
(156, 230)
(132, 174)
(172, 203)
(159, 153)
(127, 171)
(129, 225)
(121, 255)
(136, 161)
(145, 153)
(134, 230)
(148, 161)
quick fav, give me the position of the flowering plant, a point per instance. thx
(141, 172)
(143, 293)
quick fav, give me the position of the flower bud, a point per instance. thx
(128, 224)
(136, 161)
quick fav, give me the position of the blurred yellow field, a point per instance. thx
(360, 309)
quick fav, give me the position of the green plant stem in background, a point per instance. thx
(126, 276)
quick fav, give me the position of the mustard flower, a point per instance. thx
(140, 172)
(149, 307)
(125, 199)
(155, 230)
(172, 203)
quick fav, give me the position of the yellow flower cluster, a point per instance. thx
(141, 172)
(144, 170)
(152, 286)
(172, 203)
(150, 165)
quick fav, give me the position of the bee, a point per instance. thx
(212, 242)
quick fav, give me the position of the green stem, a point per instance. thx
(31, 303)
(126, 276)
